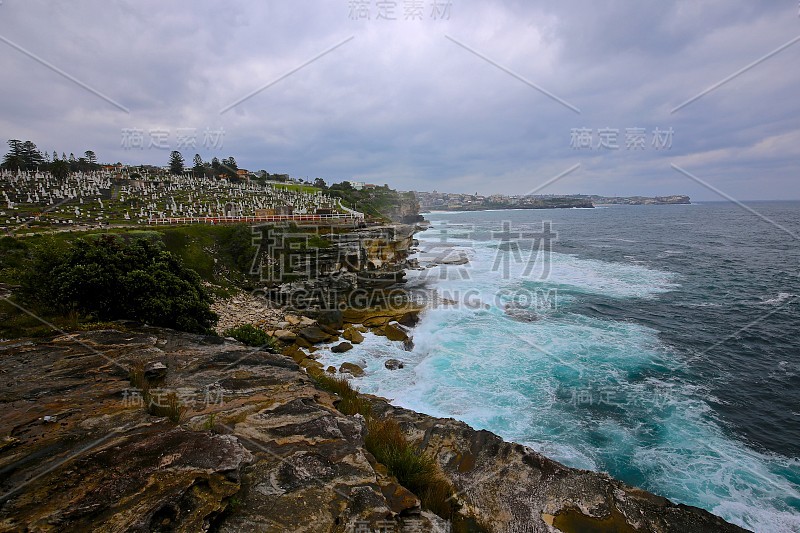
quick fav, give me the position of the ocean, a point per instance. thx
(656, 343)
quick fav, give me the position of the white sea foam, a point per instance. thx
(575, 387)
(493, 268)
(782, 297)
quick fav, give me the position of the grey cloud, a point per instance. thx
(400, 104)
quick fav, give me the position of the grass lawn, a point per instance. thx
(295, 187)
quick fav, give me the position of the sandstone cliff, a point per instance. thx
(242, 440)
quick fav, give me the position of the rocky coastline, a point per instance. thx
(258, 446)
(134, 428)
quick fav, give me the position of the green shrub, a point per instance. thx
(351, 402)
(111, 278)
(414, 469)
(252, 336)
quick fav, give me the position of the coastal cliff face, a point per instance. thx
(406, 211)
(145, 429)
(366, 259)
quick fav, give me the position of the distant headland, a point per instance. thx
(442, 201)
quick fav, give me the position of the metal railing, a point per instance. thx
(269, 218)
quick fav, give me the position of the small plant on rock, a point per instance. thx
(252, 336)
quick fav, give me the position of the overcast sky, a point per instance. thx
(476, 96)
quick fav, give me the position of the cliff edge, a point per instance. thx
(145, 429)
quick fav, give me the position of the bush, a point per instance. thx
(351, 402)
(252, 336)
(111, 278)
(414, 469)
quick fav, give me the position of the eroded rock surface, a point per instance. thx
(260, 448)
(508, 487)
(242, 440)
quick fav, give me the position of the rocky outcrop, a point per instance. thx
(342, 347)
(393, 364)
(353, 335)
(509, 487)
(353, 266)
(351, 368)
(234, 439)
(257, 447)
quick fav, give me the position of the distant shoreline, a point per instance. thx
(448, 202)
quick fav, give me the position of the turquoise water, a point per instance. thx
(625, 357)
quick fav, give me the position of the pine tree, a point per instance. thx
(199, 167)
(13, 159)
(175, 162)
(31, 155)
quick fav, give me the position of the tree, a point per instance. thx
(91, 158)
(31, 155)
(319, 183)
(229, 167)
(175, 162)
(110, 278)
(343, 186)
(59, 168)
(199, 167)
(23, 156)
(215, 165)
(13, 159)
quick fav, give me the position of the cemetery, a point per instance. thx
(35, 200)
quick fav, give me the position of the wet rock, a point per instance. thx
(353, 335)
(331, 370)
(393, 364)
(394, 333)
(409, 320)
(452, 258)
(520, 313)
(342, 347)
(313, 334)
(351, 368)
